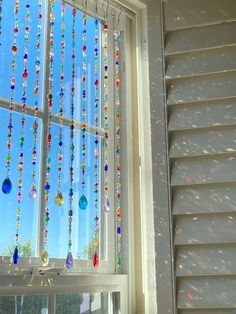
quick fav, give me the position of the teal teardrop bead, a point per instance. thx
(6, 186)
(83, 203)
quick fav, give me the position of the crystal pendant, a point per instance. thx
(116, 33)
(69, 260)
(45, 258)
(33, 192)
(95, 260)
(83, 203)
(119, 262)
(15, 256)
(6, 186)
(106, 205)
(59, 200)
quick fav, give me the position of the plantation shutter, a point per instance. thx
(199, 40)
(200, 54)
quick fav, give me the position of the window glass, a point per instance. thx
(6, 52)
(34, 304)
(8, 203)
(83, 220)
(78, 62)
(97, 303)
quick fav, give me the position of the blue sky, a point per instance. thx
(58, 225)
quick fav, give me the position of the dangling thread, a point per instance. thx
(33, 190)
(59, 200)
(83, 202)
(106, 118)
(96, 152)
(25, 75)
(45, 255)
(69, 258)
(117, 146)
(7, 185)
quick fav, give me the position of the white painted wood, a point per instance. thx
(198, 170)
(205, 229)
(211, 198)
(200, 260)
(207, 292)
(203, 142)
(202, 114)
(188, 13)
(205, 37)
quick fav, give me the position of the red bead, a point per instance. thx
(95, 260)
(14, 48)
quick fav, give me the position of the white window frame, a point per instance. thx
(84, 279)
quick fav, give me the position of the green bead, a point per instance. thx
(119, 262)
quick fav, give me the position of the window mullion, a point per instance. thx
(43, 150)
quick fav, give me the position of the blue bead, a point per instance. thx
(106, 168)
(119, 230)
(6, 186)
(83, 203)
(69, 260)
(15, 257)
(47, 187)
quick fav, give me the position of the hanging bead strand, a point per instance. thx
(59, 200)
(96, 152)
(83, 202)
(69, 258)
(106, 117)
(33, 190)
(7, 185)
(1, 6)
(45, 256)
(25, 74)
(117, 147)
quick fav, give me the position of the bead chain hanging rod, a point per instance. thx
(45, 256)
(96, 152)
(103, 8)
(118, 146)
(33, 190)
(25, 74)
(7, 185)
(69, 258)
(83, 202)
(59, 199)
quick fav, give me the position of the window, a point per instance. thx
(82, 279)
(31, 221)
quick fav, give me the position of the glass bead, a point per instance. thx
(116, 33)
(15, 257)
(69, 260)
(106, 205)
(45, 258)
(119, 262)
(33, 193)
(6, 186)
(59, 200)
(83, 203)
(95, 260)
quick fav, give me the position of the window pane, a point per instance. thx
(83, 220)
(6, 53)
(96, 303)
(8, 203)
(35, 304)
(78, 62)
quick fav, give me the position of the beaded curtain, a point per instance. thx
(101, 80)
